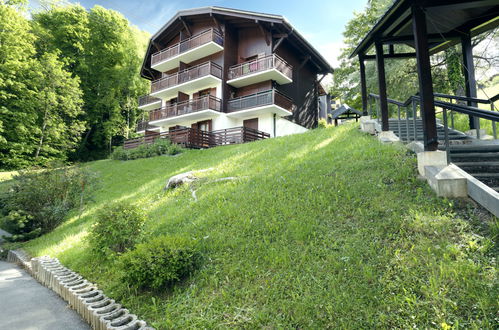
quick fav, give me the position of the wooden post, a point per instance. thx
(469, 73)
(363, 86)
(430, 137)
(383, 103)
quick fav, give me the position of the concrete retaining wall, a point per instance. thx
(101, 312)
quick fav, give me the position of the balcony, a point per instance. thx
(201, 45)
(148, 102)
(188, 81)
(270, 67)
(202, 108)
(270, 101)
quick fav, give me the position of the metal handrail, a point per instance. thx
(445, 106)
(186, 45)
(148, 99)
(198, 71)
(272, 61)
(462, 98)
(190, 106)
(260, 99)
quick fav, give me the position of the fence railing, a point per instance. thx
(198, 71)
(207, 102)
(148, 99)
(187, 44)
(411, 113)
(261, 64)
(196, 138)
(259, 99)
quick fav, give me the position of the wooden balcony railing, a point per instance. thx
(260, 99)
(261, 64)
(187, 44)
(207, 102)
(237, 135)
(198, 71)
(148, 99)
(195, 138)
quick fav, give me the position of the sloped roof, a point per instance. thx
(446, 21)
(277, 22)
(344, 109)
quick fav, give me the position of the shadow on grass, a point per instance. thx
(310, 236)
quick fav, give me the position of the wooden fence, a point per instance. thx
(196, 139)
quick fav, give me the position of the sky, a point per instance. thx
(321, 22)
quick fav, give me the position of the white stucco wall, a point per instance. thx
(286, 127)
(222, 121)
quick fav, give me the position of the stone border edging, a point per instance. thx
(101, 312)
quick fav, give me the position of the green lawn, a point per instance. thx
(324, 229)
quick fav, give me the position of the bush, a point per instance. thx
(117, 229)
(39, 199)
(159, 147)
(322, 123)
(159, 262)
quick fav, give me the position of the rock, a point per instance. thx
(182, 178)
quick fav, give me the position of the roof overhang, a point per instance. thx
(276, 21)
(447, 21)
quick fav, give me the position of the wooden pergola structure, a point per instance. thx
(345, 113)
(428, 26)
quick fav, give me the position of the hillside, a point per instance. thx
(324, 229)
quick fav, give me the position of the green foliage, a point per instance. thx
(159, 147)
(325, 229)
(454, 72)
(17, 114)
(39, 200)
(118, 228)
(401, 75)
(59, 102)
(69, 82)
(159, 262)
(322, 123)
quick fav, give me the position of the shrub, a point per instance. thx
(322, 123)
(39, 199)
(159, 262)
(159, 147)
(117, 229)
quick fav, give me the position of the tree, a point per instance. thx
(17, 116)
(59, 106)
(105, 52)
(112, 82)
(40, 101)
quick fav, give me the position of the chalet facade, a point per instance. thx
(223, 71)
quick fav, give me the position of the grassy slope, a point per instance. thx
(324, 229)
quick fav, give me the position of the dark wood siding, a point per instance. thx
(251, 43)
(303, 90)
(230, 58)
(252, 89)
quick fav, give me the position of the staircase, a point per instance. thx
(406, 134)
(479, 158)
(481, 161)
